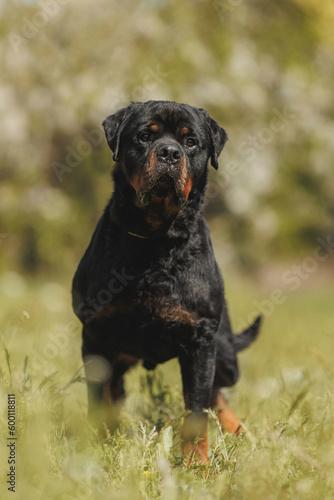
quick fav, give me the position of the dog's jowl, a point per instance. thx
(148, 286)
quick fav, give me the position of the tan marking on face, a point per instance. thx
(141, 179)
(154, 127)
(137, 182)
(185, 182)
(184, 172)
(185, 130)
(187, 187)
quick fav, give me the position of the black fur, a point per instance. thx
(148, 286)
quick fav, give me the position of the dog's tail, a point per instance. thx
(243, 339)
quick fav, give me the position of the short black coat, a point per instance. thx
(148, 286)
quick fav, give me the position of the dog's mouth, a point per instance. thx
(165, 186)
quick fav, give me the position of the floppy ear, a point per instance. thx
(113, 126)
(218, 137)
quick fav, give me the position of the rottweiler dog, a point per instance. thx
(148, 286)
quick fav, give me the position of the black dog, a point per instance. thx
(148, 286)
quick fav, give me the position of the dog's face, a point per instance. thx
(163, 149)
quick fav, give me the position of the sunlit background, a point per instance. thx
(265, 71)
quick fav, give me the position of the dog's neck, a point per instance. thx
(155, 219)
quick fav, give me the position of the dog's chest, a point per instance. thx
(164, 295)
(159, 293)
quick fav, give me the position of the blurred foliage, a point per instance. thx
(263, 70)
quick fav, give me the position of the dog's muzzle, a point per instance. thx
(166, 174)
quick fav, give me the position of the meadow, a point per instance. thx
(284, 398)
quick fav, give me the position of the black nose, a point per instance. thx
(169, 153)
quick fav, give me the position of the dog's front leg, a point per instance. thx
(197, 368)
(98, 372)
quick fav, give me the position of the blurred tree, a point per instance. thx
(264, 71)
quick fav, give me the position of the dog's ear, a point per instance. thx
(113, 127)
(218, 137)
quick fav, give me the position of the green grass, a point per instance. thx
(284, 397)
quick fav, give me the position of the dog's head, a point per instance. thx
(163, 148)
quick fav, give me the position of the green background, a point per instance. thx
(264, 70)
(248, 63)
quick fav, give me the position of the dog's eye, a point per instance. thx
(190, 142)
(144, 137)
